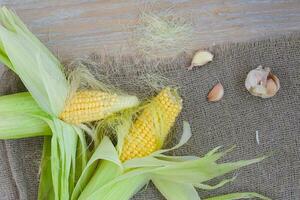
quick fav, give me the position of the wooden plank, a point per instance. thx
(79, 27)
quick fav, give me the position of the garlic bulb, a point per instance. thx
(216, 93)
(201, 58)
(261, 82)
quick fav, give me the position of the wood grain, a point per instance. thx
(78, 27)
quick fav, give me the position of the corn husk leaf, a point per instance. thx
(13, 23)
(201, 170)
(3, 58)
(121, 188)
(213, 187)
(175, 176)
(108, 169)
(63, 157)
(20, 103)
(175, 191)
(240, 195)
(82, 156)
(46, 191)
(148, 161)
(191, 172)
(100, 175)
(20, 117)
(15, 126)
(177, 180)
(124, 189)
(39, 70)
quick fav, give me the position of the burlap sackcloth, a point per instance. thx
(232, 121)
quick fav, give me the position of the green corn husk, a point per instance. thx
(63, 158)
(21, 108)
(239, 195)
(67, 151)
(20, 103)
(122, 189)
(46, 190)
(173, 190)
(42, 75)
(39, 70)
(176, 177)
(109, 168)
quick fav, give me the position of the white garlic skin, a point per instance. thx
(201, 58)
(262, 83)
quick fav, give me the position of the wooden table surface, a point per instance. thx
(79, 27)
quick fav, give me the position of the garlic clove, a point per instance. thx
(201, 58)
(256, 77)
(216, 93)
(272, 85)
(271, 88)
(258, 90)
(275, 79)
(261, 82)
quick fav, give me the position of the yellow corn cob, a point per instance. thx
(93, 105)
(150, 129)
